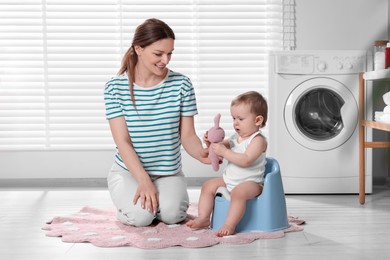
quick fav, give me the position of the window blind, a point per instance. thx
(56, 55)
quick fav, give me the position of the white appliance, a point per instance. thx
(313, 118)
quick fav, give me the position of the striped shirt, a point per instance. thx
(154, 124)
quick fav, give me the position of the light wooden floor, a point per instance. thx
(337, 228)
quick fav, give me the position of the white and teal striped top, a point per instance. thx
(154, 130)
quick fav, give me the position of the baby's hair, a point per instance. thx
(257, 103)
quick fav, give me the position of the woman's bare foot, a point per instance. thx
(225, 230)
(198, 223)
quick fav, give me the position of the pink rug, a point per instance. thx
(101, 228)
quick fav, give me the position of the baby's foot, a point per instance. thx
(198, 223)
(225, 230)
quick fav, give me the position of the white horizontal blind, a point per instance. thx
(22, 69)
(55, 58)
(56, 55)
(233, 40)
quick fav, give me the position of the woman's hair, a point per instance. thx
(147, 33)
(257, 103)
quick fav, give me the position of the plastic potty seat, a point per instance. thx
(266, 212)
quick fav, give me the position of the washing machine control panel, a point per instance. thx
(343, 62)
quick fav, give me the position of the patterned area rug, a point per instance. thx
(101, 228)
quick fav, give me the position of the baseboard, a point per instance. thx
(380, 180)
(388, 181)
(54, 183)
(197, 181)
(75, 183)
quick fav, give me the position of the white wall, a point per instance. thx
(74, 164)
(321, 24)
(55, 164)
(340, 24)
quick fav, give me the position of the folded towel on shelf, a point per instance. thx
(385, 118)
(386, 110)
(382, 117)
(386, 98)
(378, 115)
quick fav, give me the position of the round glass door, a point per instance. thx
(321, 114)
(317, 114)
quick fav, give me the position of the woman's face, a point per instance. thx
(155, 57)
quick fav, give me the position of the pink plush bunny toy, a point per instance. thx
(216, 134)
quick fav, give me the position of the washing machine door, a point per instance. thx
(321, 114)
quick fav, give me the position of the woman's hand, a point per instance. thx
(204, 156)
(148, 196)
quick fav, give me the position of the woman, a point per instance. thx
(150, 111)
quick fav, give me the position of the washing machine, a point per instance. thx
(313, 120)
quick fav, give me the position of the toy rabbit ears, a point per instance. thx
(217, 119)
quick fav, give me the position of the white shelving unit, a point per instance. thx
(363, 123)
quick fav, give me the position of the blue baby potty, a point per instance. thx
(266, 212)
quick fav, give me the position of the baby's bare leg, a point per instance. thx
(206, 203)
(239, 195)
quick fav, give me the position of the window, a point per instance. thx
(56, 55)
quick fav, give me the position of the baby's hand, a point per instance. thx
(206, 139)
(219, 149)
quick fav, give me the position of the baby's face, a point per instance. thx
(245, 123)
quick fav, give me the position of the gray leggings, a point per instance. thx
(172, 198)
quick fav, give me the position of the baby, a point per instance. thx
(245, 152)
